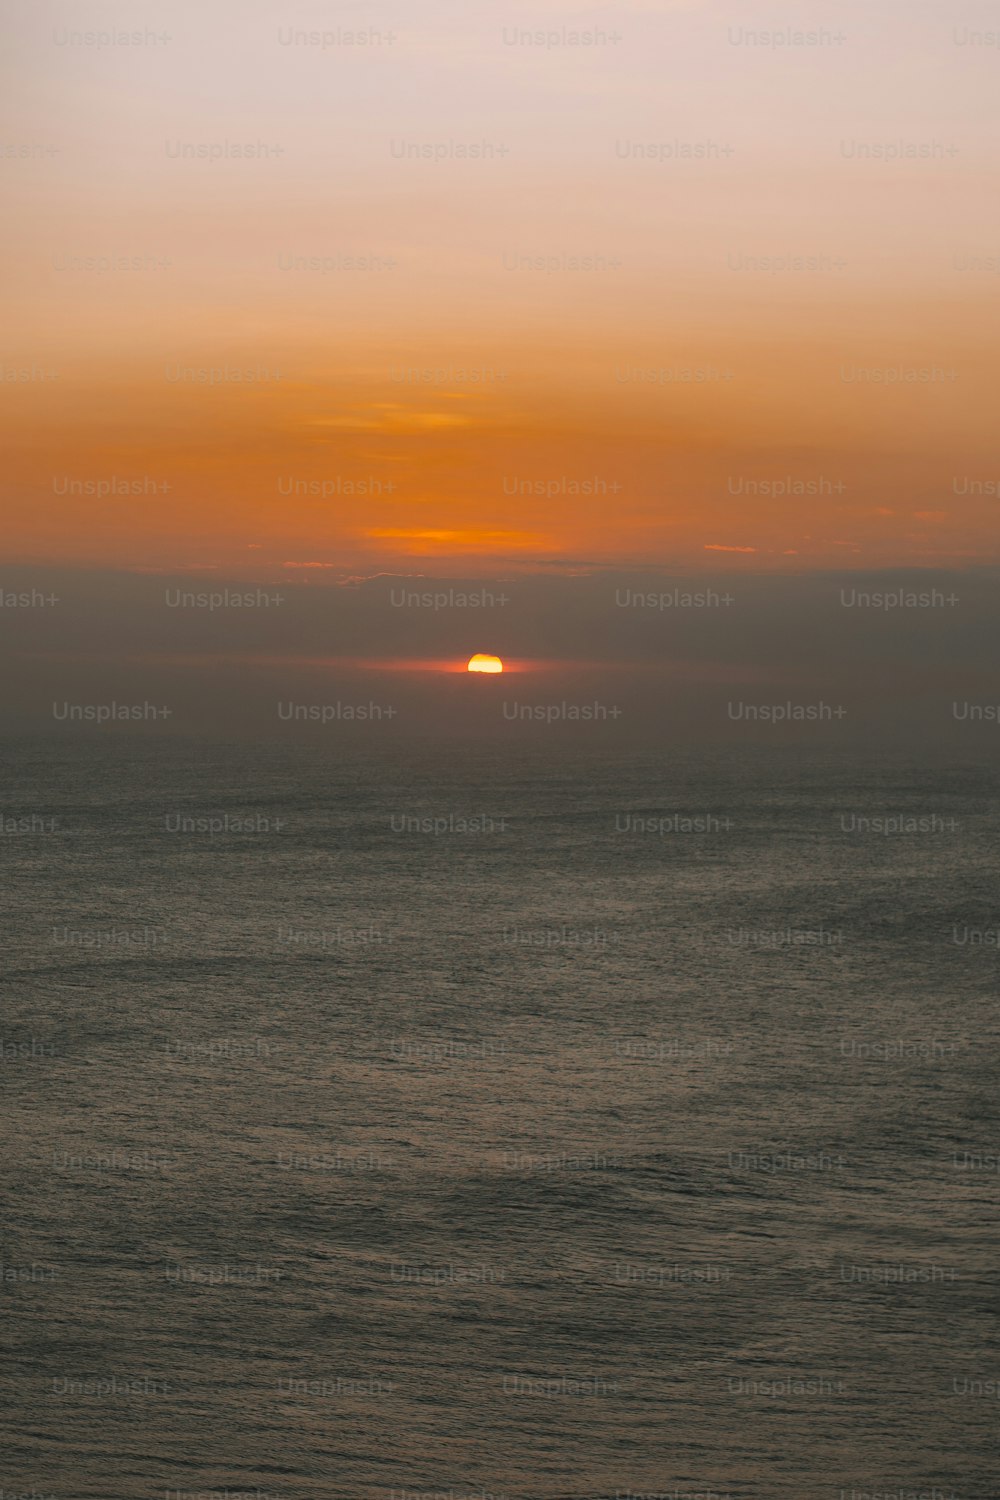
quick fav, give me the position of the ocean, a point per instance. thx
(474, 1123)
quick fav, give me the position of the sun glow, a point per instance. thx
(481, 663)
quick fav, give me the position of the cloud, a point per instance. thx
(386, 417)
(467, 540)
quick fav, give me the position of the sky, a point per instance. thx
(547, 294)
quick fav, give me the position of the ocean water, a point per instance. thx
(352, 1157)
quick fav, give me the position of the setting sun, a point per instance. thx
(481, 663)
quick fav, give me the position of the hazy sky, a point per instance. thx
(500, 291)
(672, 365)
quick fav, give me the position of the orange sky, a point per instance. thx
(618, 412)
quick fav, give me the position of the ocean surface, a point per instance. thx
(629, 1130)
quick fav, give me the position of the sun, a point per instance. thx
(481, 663)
